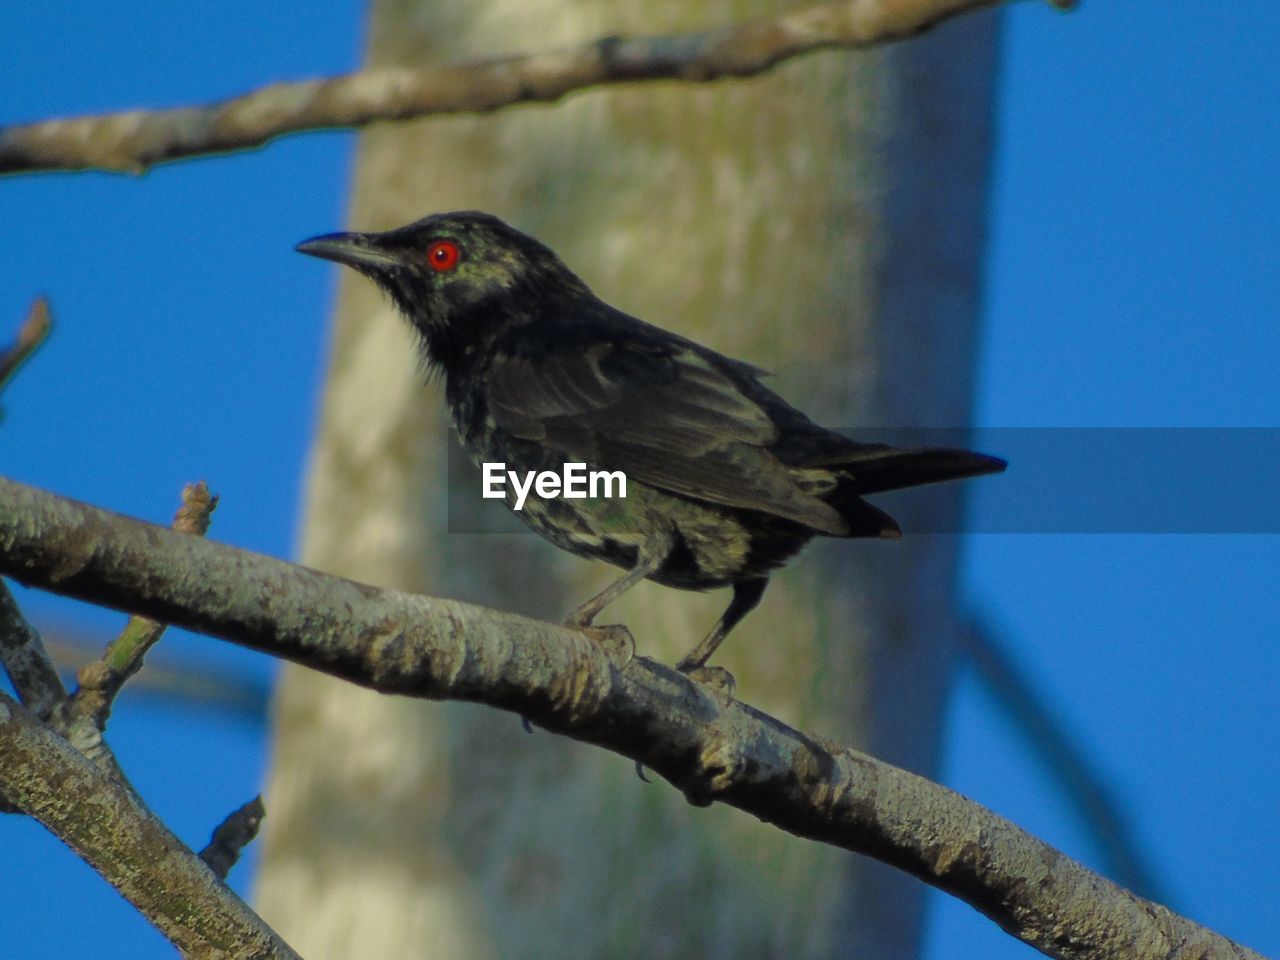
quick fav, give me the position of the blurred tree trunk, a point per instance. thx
(825, 221)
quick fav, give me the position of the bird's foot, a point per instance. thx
(718, 679)
(614, 639)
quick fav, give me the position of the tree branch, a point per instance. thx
(563, 680)
(135, 140)
(33, 332)
(232, 835)
(100, 819)
(102, 680)
(32, 673)
(175, 680)
(22, 652)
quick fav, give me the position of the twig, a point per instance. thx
(102, 680)
(232, 836)
(710, 749)
(33, 332)
(99, 818)
(22, 652)
(32, 673)
(135, 140)
(176, 680)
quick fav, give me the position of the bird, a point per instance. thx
(725, 480)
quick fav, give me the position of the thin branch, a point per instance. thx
(135, 140)
(22, 651)
(102, 680)
(1066, 762)
(33, 332)
(175, 680)
(232, 836)
(32, 673)
(102, 821)
(712, 750)
(36, 681)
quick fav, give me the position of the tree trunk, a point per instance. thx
(825, 221)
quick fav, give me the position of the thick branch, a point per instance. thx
(135, 140)
(96, 815)
(566, 682)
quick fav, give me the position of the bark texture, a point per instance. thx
(825, 221)
(709, 747)
(132, 141)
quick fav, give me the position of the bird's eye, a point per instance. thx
(443, 255)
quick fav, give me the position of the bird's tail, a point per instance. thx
(882, 468)
(877, 468)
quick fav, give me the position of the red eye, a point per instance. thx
(443, 255)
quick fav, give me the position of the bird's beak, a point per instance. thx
(357, 250)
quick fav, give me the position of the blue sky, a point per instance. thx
(1131, 283)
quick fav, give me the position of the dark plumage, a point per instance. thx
(726, 481)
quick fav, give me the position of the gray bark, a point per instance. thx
(707, 746)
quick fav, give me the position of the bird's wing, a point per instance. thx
(663, 414)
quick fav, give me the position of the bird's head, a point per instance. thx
(457, 277)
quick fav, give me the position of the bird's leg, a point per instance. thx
(746, 594)
(649, 558)
(583, 616)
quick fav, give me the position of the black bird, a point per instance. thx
(726, 481)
